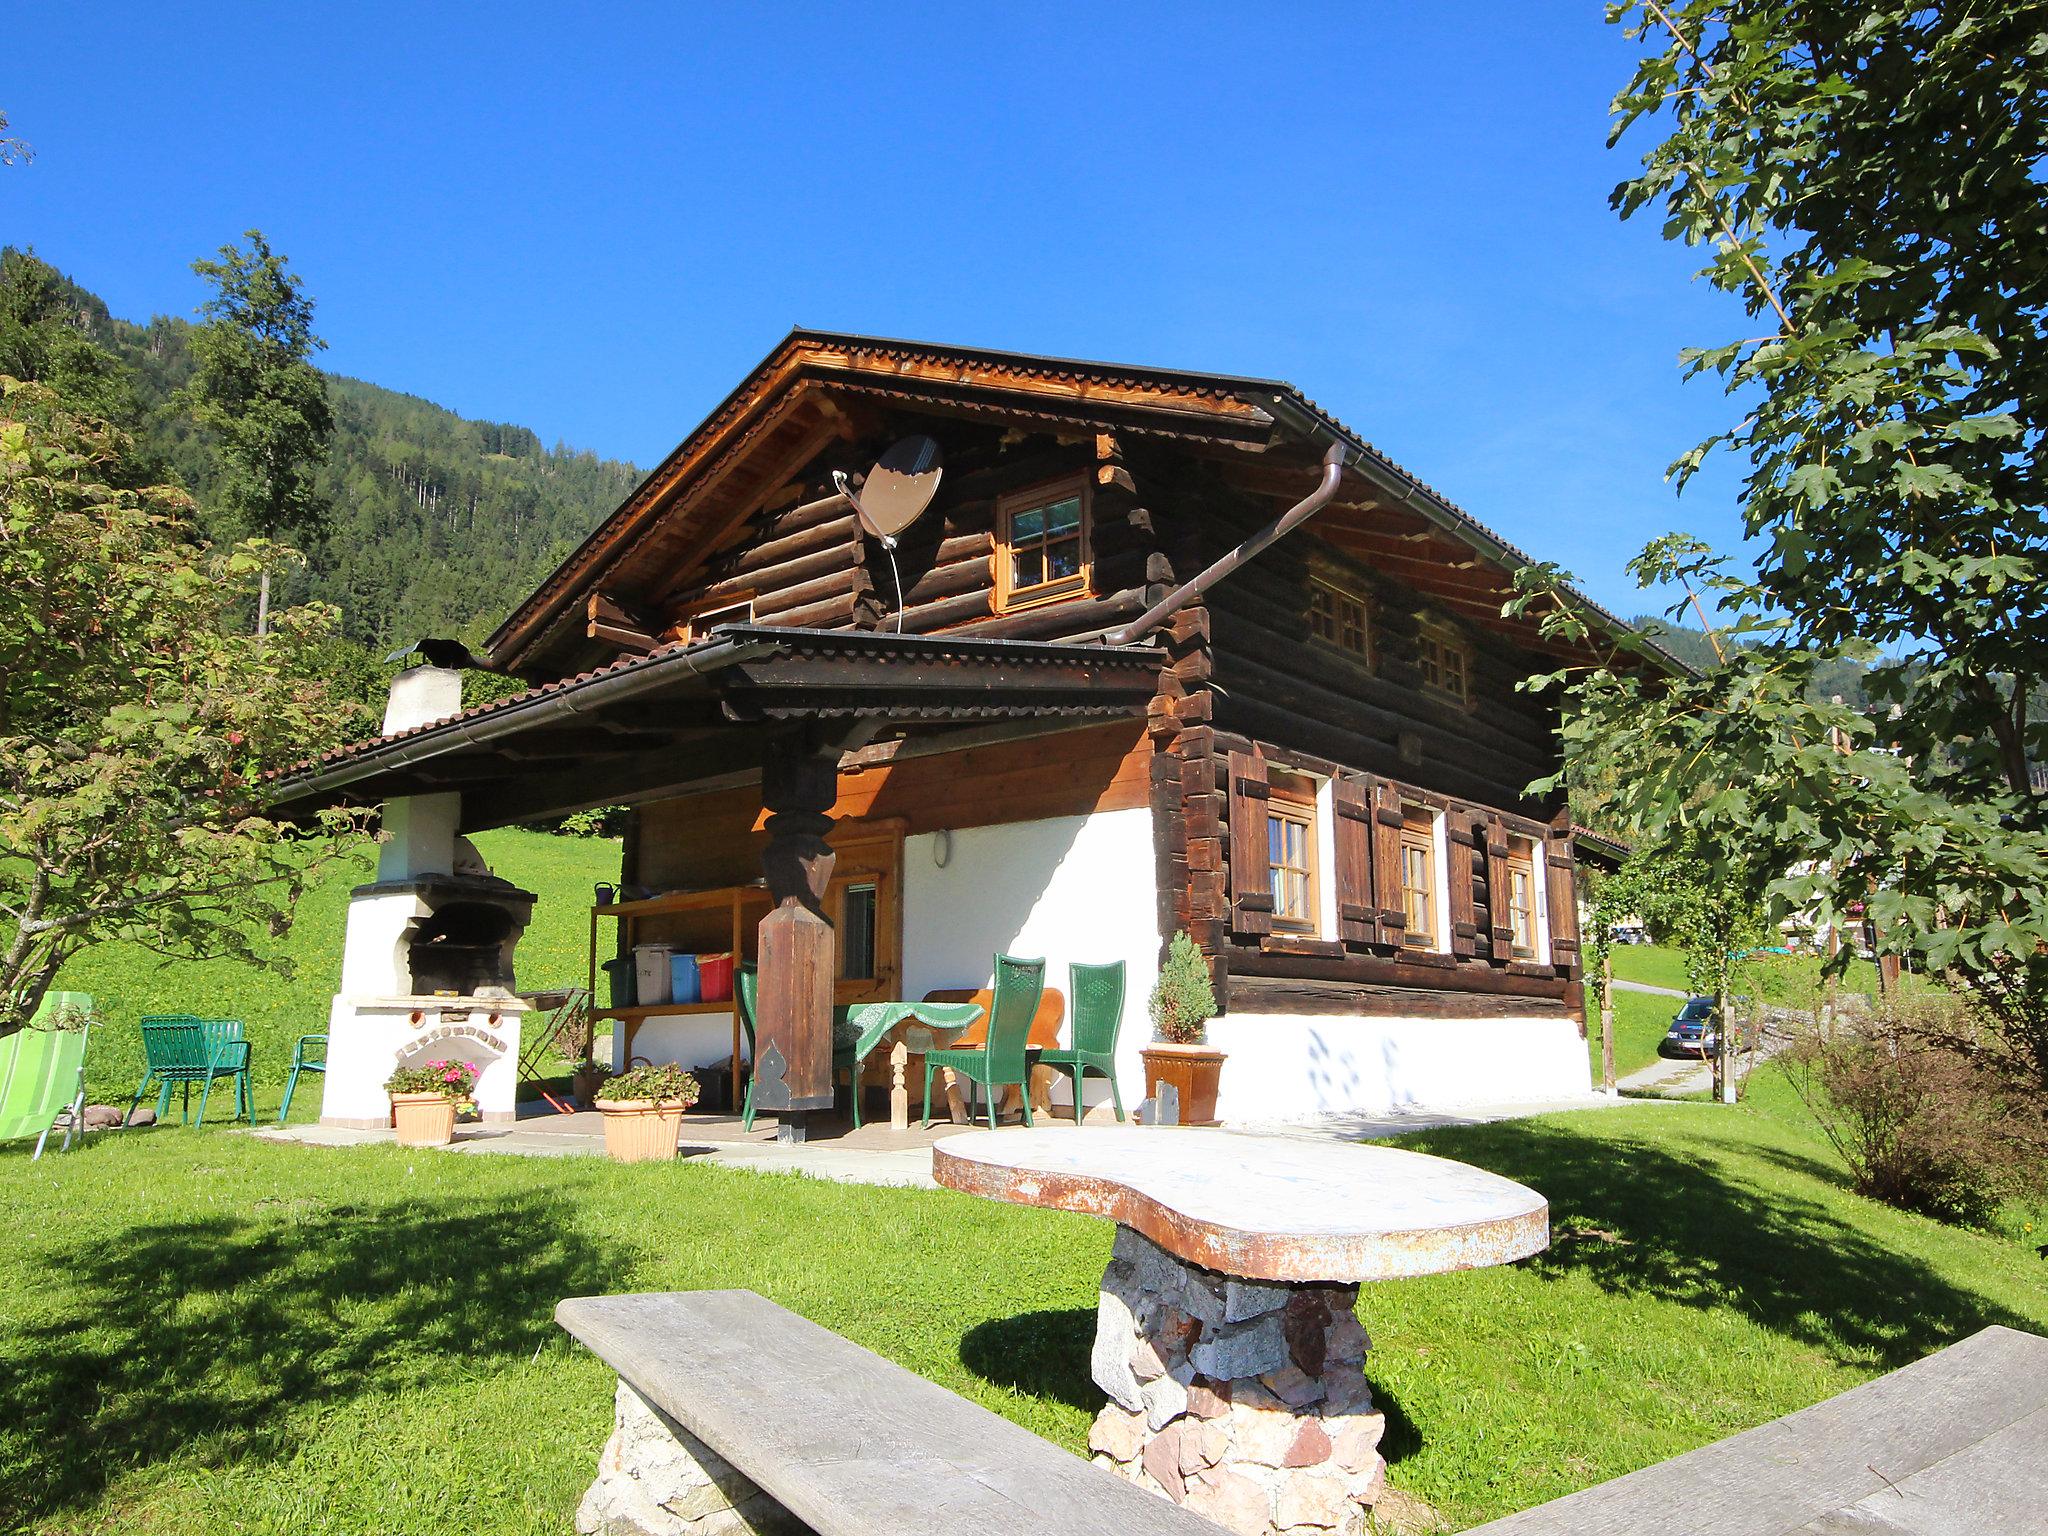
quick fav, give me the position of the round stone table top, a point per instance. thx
(1263, 1207)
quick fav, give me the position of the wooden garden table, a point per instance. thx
(1226, 1331)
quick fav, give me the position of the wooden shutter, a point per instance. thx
(1251, 869)
(1498, 887)
(1386, 862)
(1358, 919)
(1461, 848)
(1562, 888)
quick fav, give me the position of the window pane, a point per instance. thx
(857, 933)
(1025, 526)
(1063, 516)
(1276, 841)
(1062, 559)
(1028, 567)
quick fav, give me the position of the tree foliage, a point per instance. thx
(1866, 180)
(436, 524)
(136, 720)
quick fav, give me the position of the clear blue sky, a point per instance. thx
(593, 220)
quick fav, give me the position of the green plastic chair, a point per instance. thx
(181, 1048)
(746, 989)
(303, 1054)
(1006, 1058)
(42, 1074)
(1098, 994)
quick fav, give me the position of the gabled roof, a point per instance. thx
(683, 500)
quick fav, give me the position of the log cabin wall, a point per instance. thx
(805, 565)
(1284, 700)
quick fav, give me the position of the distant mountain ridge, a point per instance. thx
(440, 523)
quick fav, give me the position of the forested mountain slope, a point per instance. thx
(439, 525)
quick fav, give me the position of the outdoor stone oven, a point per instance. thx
(427, 970)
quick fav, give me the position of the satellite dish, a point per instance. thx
(898, 489)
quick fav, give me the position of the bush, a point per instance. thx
(1182, 1002)
(450, 1079)
(1922, 1124)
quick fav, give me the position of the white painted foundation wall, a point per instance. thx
(1286, 1066)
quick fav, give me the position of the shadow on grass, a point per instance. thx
(219, 1333)
(1727, 1227)
(1042, 1354)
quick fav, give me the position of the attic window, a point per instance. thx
(1337, 616)
(1042, 550)
(1445, 662)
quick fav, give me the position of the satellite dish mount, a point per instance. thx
(893, 496)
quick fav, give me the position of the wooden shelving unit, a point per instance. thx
(741, 907)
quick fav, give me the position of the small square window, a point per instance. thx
(1042, 553)
(1445, 663)
(1337, 617)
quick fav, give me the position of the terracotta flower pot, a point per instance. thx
(641, 1130)
(423, 1119)
(1193, 1071)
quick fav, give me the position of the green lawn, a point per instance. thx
(206, 1332)
(1651, 964)
(1640, 1019)
(277, 1008)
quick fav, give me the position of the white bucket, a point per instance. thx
(650, 972)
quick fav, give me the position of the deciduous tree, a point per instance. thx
(137, 717)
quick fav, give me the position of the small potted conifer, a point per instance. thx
(425, 1098)
(643, 1111)
(1182, 1004)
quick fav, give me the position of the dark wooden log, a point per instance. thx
(1366, 1000)
(1471, 976)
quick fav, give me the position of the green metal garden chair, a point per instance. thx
(1098, 994)
(308, 1055)
(746, 990)
(1006, 1057)
(181, 1048)
(42, 1075)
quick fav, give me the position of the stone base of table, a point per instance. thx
(655, 1478)
(1243, 1400)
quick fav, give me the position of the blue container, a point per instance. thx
(620, 974)
(682, 978)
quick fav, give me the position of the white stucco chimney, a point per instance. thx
(422, 695)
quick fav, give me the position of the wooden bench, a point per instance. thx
(735, 1414)
(1957, 1442)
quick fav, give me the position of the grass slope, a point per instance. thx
(228, 1334)
(276, 1007)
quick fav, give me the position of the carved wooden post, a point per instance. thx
(793, 1066)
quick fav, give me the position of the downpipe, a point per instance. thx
(1334, 460)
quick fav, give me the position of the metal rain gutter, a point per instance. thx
(1335, 458)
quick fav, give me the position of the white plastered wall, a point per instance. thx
(1067, 889)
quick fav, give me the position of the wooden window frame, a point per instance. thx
(1435, 643)
(1009, 597)
(1521, 860)
(1424, 838)
(1339, 594)
(1291, 801)
(869, 855)
(691, 625)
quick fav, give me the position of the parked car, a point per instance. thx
(1695, 1030)
(1629, 933)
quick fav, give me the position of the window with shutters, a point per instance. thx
(1042, 549)
(1337, 616)
(1420, 886)
(1291, 852)
(1445, 662)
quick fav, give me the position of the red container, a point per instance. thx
(714, 978)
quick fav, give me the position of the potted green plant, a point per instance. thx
(425, 1098)
(643, 1111)
(1181, 1006)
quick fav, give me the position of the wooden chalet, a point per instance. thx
(871, 769)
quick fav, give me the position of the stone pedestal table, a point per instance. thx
(1227, 1336)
